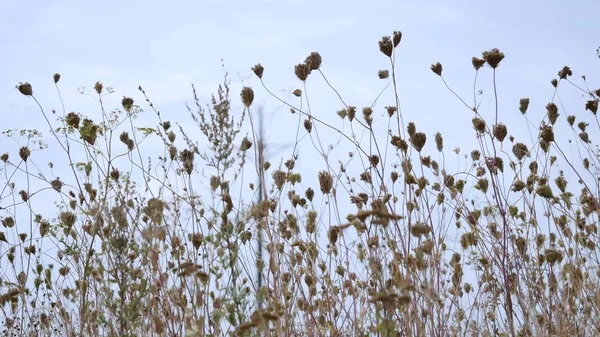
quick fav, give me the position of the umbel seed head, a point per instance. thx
(477, 62)
(258, 70)
(302, 71)
(397, 38)
(437, 68)
(386, 46)
(56, 77)
(313, 61)
(127, 103)
(98, 87)
(25, 89)
(247, 96)
(493, 57)
(565, 72)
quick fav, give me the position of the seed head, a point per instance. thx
(475, 155)
(411, 128)
(479, 124)
(325, 182)
(439, 141)
(114, 174)
(313, 61)
(246, 144)
(297, 92)
(554, 82)
(592, 106)
(523, 105)
(493, 57)
(520, 150)
(24, 153)
(247, 96)
(547, 134)
(386, 46)
(418, 141)
(25, 89)
(391, 110)
(302, 71)
(4, 157)
(258, 70)
(56, 77)
(397, 36)
(571, 120)
(351, 113)
(98, 87)
(383, 74)
(553, 255)
(72, 120)
(564, 73)
(56, 184)
(437, 68)
(308, 125)
(500, 132)
(552, 110)
(127, 103)
(310, 193)
(279, 179)
(477, 62)
(544, 191)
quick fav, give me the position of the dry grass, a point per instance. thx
(135, 248)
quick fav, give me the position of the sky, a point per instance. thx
(167, 46)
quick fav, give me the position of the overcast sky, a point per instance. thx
(165, 46)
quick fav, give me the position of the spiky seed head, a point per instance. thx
(127, 103)
(297, 92)
(325, 182)
(98, 87)
(302, 71)
(523, 105)
(552, 110)
(24, 153)
(383, 74)
(564, 73)
(258, 70)
(500, 132)
(386, 46)
(308, 125)
(397, 37)
(56, 77)
(247, 96)
(520, 150)
(418, 141)
(313, 61)
(25, 89)
(477, 62)
(592, 106)
(493, 57)
(437, 68)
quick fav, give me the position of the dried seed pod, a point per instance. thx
(127, 103)
(520, 150)
(592, 106)
(383, 74)
(297, 92)
(418, 141)
(439, 141)
(308, 125)
(547, 133)
(397, 37)
(24, 153)
(56, 77)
